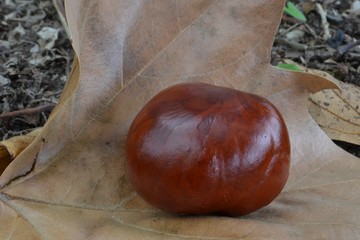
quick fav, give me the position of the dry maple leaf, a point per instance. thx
(336, 110)
(69, 183)
(338, 113)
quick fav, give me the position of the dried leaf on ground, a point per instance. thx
(70, 182)
(338, 112)
(11, 148)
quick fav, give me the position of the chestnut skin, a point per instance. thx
(196, 148)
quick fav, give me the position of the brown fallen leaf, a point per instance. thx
(338, 112)
(11, 148)
(70, 183)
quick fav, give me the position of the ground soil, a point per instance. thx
(36, 55)
(35, 59)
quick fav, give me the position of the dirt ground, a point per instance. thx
(36, 55)
(35, 59)
(308, 45)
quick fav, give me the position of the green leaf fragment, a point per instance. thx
(293, 11)
(287, 66)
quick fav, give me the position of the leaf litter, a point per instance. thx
(35, 59)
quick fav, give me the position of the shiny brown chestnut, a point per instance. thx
(196, 148)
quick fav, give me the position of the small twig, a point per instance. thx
(347, 47)
(311, 31)
(319, 46)
(27, 111)
(289, 29)
(324, 21)
(292, 44)
(53, 93)
(43, 100)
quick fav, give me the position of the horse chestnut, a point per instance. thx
(196, 148)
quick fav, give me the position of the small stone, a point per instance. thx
(5, 44)
(35, 49)
(355, 5)
(295, 35)
(50, 35)
(4, 81)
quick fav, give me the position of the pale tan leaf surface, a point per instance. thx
(338, 112)
(70, 183)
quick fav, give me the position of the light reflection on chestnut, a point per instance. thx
(196, 148)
